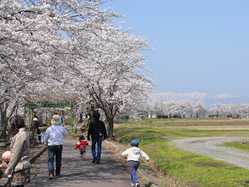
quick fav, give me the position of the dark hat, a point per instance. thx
(17, 122)
(96, 114)
(82, 137)
(134, 142)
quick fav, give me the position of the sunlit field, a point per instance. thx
(192, 169)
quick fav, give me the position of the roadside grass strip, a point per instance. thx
(192, 169)
(244, 146)
(189, 122)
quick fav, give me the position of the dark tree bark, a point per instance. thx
(4, 119)
(3, 125)
(110, 125)
(110, 109)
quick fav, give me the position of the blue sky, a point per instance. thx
(195, 45)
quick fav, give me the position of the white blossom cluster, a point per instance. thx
(178, 109)
(231, 110)
(68, 50)
(181, 109)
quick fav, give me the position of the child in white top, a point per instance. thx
(134, 155)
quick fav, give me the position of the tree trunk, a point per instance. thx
(3, 127)
(110, 124)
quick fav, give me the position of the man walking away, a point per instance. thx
(35, 129)
(97, 132)
(54, 137)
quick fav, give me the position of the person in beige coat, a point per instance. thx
(19, 166)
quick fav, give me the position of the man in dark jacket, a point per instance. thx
(97, 132)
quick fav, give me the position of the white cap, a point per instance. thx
(35, 119)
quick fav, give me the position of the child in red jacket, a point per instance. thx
(81, 145)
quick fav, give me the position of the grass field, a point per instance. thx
(244, 146)
(193, 169)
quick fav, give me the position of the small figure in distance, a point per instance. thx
(134, 154)
(36, 132)
(81, 145)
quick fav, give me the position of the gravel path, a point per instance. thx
(211, 147)
(78, 173)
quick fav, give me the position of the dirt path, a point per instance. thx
(78, 173)
(211, 147)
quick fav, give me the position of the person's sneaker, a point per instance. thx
(50, 176)
(132, 185)
(137, 185)
(58, 175)
(93, 161)
(98, 162)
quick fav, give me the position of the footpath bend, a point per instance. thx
(77, 172)
(212, 147)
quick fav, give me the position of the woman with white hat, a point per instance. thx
(54, 137)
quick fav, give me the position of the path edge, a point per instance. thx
(37, 155)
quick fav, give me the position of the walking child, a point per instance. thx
(81, 145)
(134, 154)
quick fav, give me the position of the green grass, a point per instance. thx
(238, 145)
(70, 121)
(169, 133)
(193, 169)
(189, 122)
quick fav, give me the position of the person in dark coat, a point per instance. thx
(97, 133)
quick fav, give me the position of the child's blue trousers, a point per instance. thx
(133, 166)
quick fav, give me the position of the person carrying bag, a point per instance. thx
(18, 169)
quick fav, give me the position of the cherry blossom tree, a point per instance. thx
(67, 50)
(30, 48)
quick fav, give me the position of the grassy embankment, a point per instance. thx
(244, 146)
(193, 169)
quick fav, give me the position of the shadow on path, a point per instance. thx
(77, 172)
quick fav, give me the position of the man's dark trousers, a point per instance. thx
(54, 152)
(96, 148)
